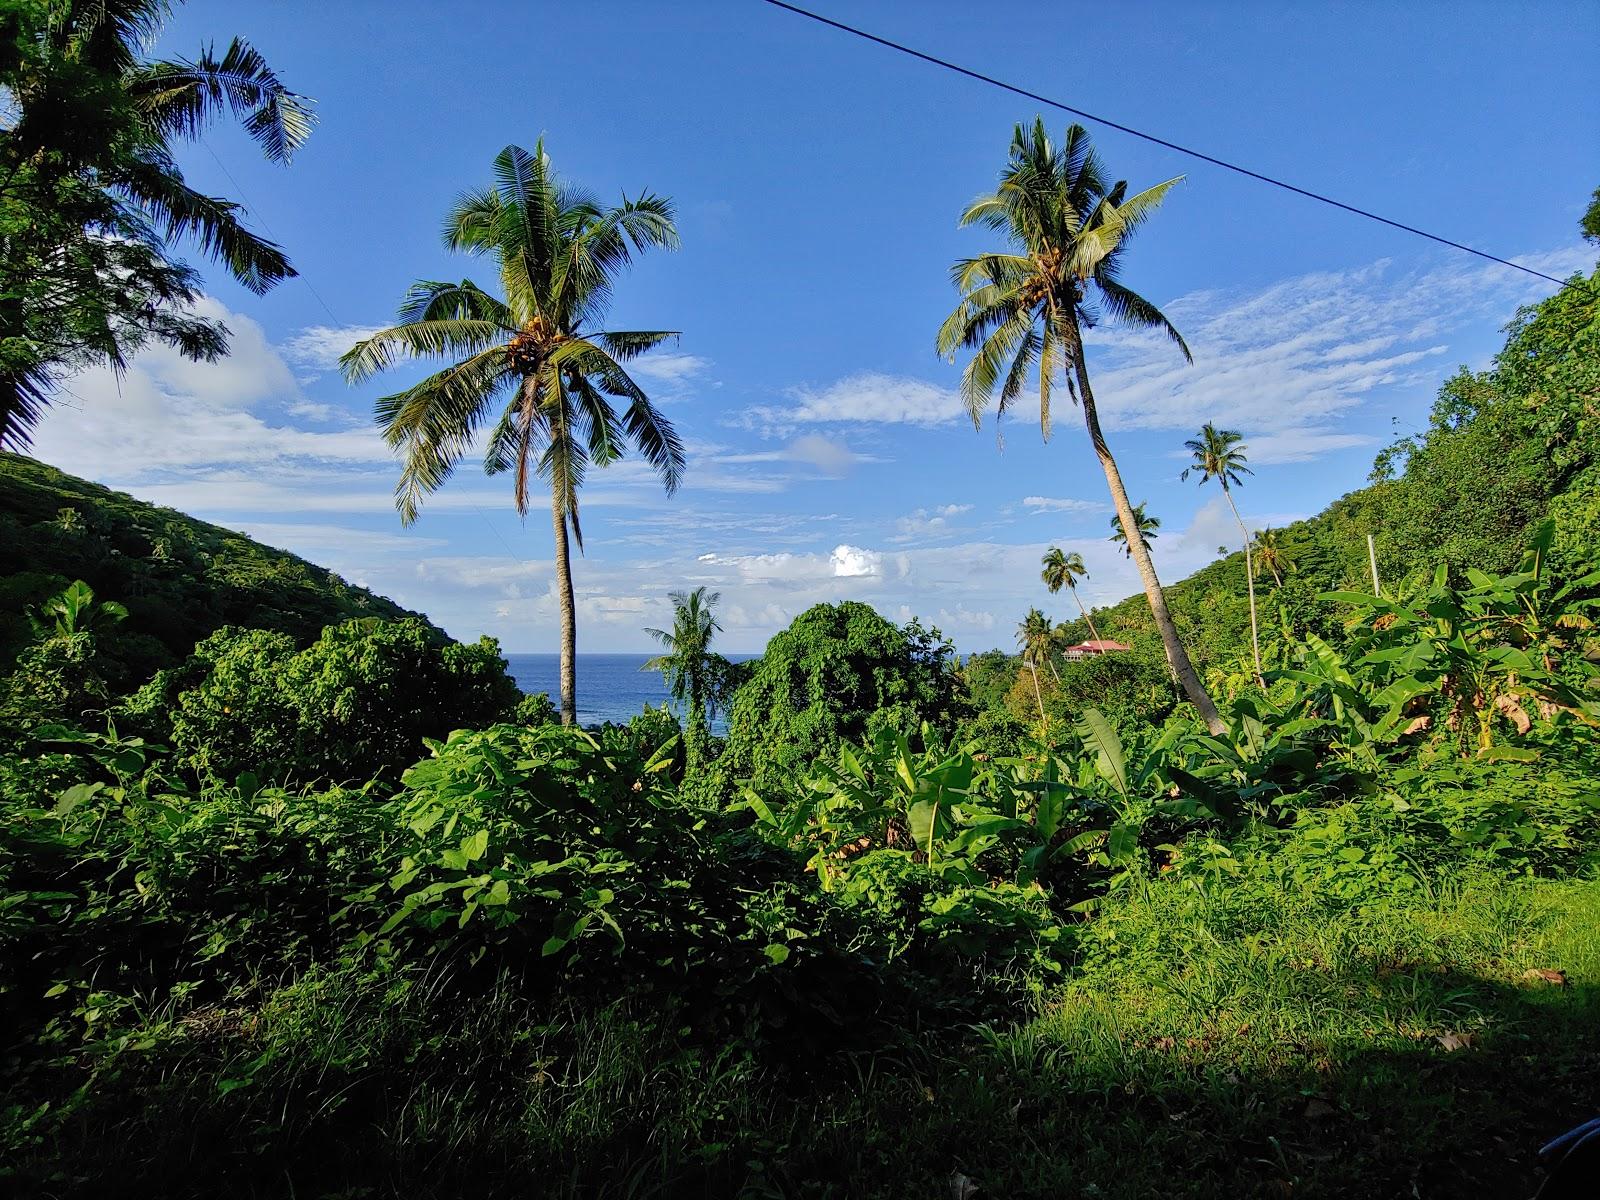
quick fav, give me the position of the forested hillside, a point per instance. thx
(179, 578)
(1504, 449)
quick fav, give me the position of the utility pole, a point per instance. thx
(1372, 561)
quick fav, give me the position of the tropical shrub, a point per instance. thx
(355, 704)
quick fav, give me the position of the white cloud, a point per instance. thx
(668, 369)
(852, 562)
(866, 398)
(1053, 504)
(309, 540)
(829, 455)
(167, 414)
(1283, 363)
(318, 347)
(929, 522)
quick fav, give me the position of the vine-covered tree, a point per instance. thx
(1024, 312)
(534, 355)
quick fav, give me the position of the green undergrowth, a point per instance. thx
(1240, 1039)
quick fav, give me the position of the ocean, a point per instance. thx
(611, 687)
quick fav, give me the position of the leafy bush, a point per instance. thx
(355, 704)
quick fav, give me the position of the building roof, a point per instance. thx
(1100, 647)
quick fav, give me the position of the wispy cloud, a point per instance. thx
(1284, 363)
(670, 369)
(867, 398)
(1056, 504)
(318, 347)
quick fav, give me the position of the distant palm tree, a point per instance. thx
(1272, 555)
(689, 667)
(1069, 226)
(1219, 454)
(558, 253)
(1037, 637)
(1143, 522)
(1064, 570)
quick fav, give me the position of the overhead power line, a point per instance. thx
(1150, 137)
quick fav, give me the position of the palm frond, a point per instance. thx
(182, 97)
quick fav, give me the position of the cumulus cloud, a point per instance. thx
(852, 562)
(167, 414)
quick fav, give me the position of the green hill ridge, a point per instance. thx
(179, 577)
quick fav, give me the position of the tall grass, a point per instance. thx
(1227, 1041)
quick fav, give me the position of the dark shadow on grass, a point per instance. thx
(479, 1103)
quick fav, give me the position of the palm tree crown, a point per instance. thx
(1062, 569)
(1272, 555)
(1024, 311)
(94, 198)
(558, 253)
(1218, 454)
(1036, 635)
(1144, 522)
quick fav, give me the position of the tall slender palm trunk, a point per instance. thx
(1250, 582)
(1033, 669)
(569, 616)
(1177, 656)
(1093, 632)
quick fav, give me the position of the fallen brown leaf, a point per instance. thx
(1545, 975)
(1452, 1042)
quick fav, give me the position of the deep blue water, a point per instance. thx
(611, 687)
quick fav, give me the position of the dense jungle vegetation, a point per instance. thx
(1295, 896)
(347, 915)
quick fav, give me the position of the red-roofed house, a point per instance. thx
(1090, 649)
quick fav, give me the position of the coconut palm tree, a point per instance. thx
(1219, 454)
(689, 667)
(1037, 637)
(534, 356)
(1272, 555)
(1064, 570)
(1143, 522)
(1068, 225)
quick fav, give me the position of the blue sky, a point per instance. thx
(818, 181)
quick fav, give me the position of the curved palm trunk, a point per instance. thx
(1250, 582)
(1093, 632)
(1177, 656)
(569, 616)
(1033, 669)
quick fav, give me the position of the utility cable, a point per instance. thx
(1150, 137)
